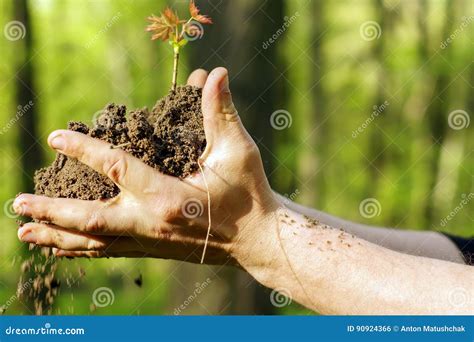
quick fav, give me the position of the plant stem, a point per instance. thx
(175, 68)
(112, 147)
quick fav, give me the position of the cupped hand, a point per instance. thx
(157, 215)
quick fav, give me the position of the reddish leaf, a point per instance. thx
(170, 16)
(159, 27)
(194, 11)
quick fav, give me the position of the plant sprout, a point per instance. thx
(168, 27)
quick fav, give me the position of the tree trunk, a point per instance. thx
(28, 131)
(31, 151)
(252, 81)
(436, 116)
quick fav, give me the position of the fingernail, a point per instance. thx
(226, 97)
(19, 206)
(56, 141)
(59, 253)
(225, 84)
(26, 235)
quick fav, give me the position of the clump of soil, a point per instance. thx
(170, 138)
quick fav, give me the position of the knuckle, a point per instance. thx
(45, 210)
(95, 222)
(95, 245)
(51, 238)
(116, 167)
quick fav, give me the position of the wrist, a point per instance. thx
(258, 248)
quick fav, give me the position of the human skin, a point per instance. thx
(430, 244)
(319, 265)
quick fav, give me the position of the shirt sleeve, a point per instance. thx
(465, 245)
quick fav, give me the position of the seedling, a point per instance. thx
(168, 27)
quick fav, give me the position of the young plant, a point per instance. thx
(168, 27)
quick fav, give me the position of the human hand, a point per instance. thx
(157, 215)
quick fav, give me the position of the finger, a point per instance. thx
(47, 235)
(221, 119)
(99, 254)
(122, 168)
(197, 78)
(101, 217)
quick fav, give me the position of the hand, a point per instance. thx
(157, 215)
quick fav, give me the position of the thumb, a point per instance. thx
(218, 110)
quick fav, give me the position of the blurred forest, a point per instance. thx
(347, 100)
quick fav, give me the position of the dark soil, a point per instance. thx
(170, 138)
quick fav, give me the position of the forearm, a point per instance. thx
(421, 243)
(333, 272)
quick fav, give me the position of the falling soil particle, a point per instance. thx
(139, 280)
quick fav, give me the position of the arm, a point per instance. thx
(240, 222)
(422, 243)
(334, 272)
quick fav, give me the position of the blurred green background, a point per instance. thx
(347, 100)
